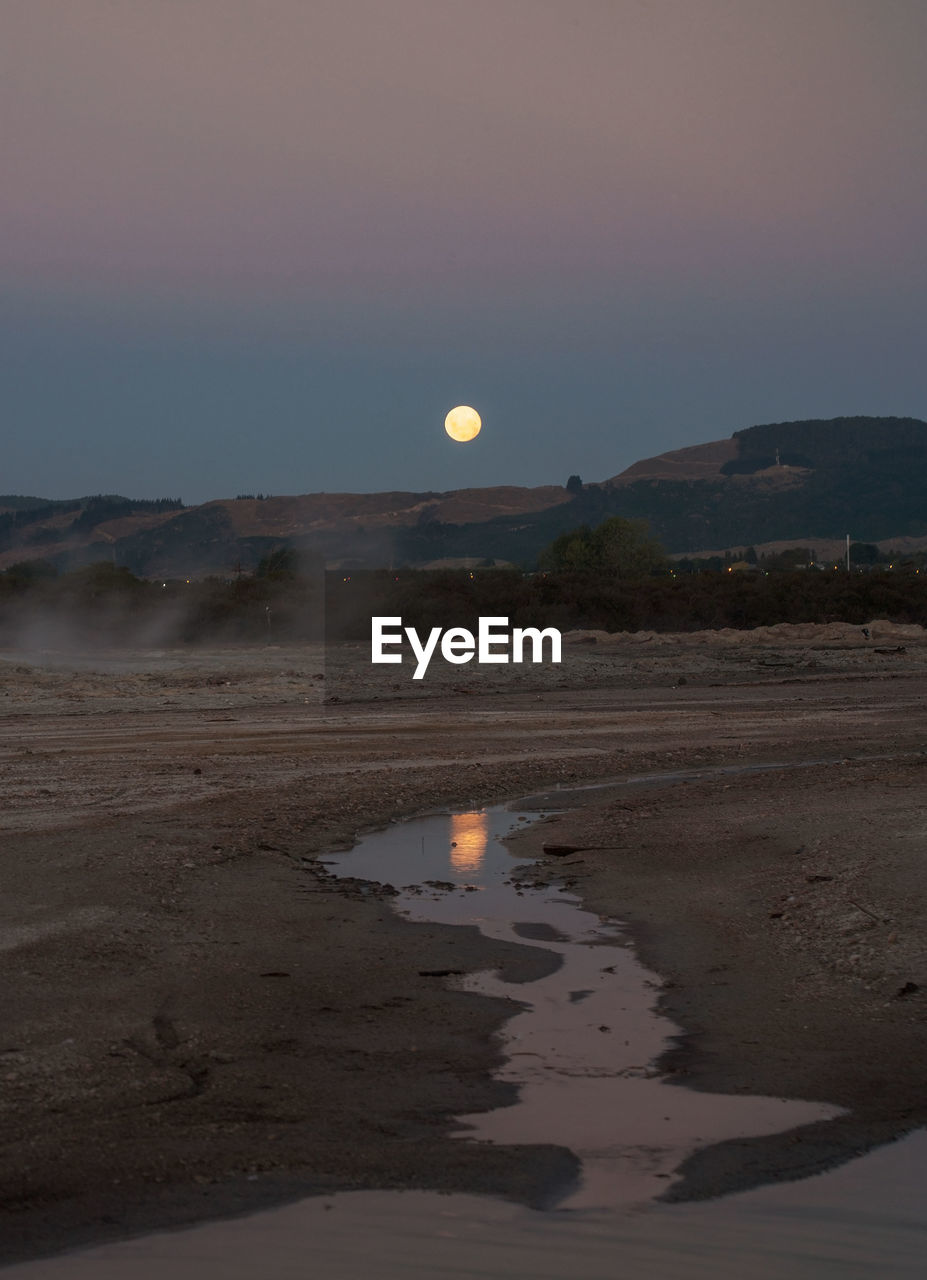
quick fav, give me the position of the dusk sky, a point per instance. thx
(265, 245)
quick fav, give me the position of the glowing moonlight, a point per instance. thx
(463, 423)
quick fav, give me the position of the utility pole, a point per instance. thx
(848, 553)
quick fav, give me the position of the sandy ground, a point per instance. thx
(196, 1019)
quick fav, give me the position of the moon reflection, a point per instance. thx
(469, 836)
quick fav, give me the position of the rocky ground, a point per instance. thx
(195, 1019)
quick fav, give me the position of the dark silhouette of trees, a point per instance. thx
(866, 553)
(282, 565)
(615, 548)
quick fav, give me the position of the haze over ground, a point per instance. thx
(266, 247)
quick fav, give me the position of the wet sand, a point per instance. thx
(197, 1020)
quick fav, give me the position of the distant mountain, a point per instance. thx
(786, 481)
(163, 538)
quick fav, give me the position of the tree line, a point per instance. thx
(611, 577)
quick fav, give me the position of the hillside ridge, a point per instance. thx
(774, 482)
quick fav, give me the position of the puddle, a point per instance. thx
(835, 1232)
(582, 1048)
(590, 1089)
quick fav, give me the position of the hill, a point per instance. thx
(792, 480)
(787, 482)
(780, 482)
(164, 538)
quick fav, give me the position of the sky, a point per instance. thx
(266, 245)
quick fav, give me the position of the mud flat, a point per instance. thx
(197, 1021)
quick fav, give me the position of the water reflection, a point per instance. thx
(469, 837)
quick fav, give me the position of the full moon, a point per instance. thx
(463, 423)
